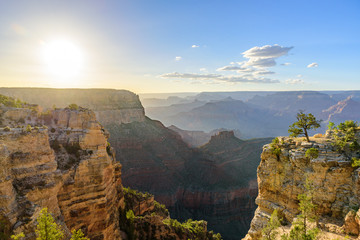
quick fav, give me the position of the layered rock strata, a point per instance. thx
(63, 166)
(336, 186)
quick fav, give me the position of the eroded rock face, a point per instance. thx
(65, 167)
(336, 186)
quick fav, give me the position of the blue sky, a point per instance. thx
(184, 46)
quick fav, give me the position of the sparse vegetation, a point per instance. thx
(301, 229)
(195, 227)
(78, 235)
(47, 227)
(73, 106)
(108, 148)
(7, 129)
(344, 135)
(312, 153)
(275, 147)
(331, 126)
(11, 102)
(28, 129)
(269, 232)
(304, 123)
(355, 162)
(18, 236)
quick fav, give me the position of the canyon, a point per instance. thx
(198, 183)
(60, 160)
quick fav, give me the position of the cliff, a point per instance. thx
(335, 181)
(60, 159)
(209, 183)
(63, 166)
(109, 105)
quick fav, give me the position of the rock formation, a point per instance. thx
(60, 159)
(63, 166)
(336, 186)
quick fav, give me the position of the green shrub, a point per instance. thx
(28, 128)
(108, 148)
(275, 147)
(344, 135)
(331, 126)
(312, 153)
(355, 162)
(73, 106)
(7, 129)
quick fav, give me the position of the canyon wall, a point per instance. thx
(62, 165)
(60, 159)
(209, 183)
(336, 186)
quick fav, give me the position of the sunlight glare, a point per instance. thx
(63, 59)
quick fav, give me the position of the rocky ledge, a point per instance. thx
(281, 178)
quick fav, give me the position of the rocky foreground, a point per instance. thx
(336, 186)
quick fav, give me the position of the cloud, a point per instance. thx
(248, 78)
(267, 51)
(294, 81)
(195, 46)
(190, 75)
(178, 58)
(234, 68)
(261, 62)
(264, 72)
(203, 69)
(285, 64)
(312, 65)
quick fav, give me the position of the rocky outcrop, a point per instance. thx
(63, 166)
(61, 160)
(336, 185)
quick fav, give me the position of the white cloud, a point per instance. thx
(248, 78)
(261, 62)
(285, 64)
(234, 68)
(294, 81)
(264, 72)
(203, 69)
(178, 58)
(312, 65)
(190, 75)
(267, 51)
(195, 46)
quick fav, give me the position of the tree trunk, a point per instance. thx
(306, 135)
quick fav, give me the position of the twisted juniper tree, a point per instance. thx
(304, 123)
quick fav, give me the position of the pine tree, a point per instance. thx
(301, 230)
(78, 235)
(304, 123)
(269, 231)
(47, 229)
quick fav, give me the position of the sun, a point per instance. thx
(63, 59)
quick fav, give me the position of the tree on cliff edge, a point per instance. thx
(47, 229)
(304, 123)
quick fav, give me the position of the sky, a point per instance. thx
(181, 45)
